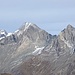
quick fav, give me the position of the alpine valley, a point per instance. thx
(33, 51)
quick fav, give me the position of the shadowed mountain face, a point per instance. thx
(32, 51)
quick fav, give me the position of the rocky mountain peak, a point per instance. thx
(30, 32)
(67, 36)
(70, 27)
(27, 25)
(68, 30)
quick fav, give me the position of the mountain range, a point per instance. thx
(31, 50)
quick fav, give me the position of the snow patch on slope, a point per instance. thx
(2, 38)
(16, 31)
(9, 34)
(38, 51)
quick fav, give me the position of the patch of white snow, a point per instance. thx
(16, 31)
(9, 34)
(38, 51)
(2, 38)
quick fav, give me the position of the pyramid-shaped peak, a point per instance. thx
(27, 25)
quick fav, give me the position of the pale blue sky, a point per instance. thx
(51, 15)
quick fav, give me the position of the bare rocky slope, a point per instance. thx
(32, 51)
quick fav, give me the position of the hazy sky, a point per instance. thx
(51, 15)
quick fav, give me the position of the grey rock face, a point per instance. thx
(32, 51)
(30, 32)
